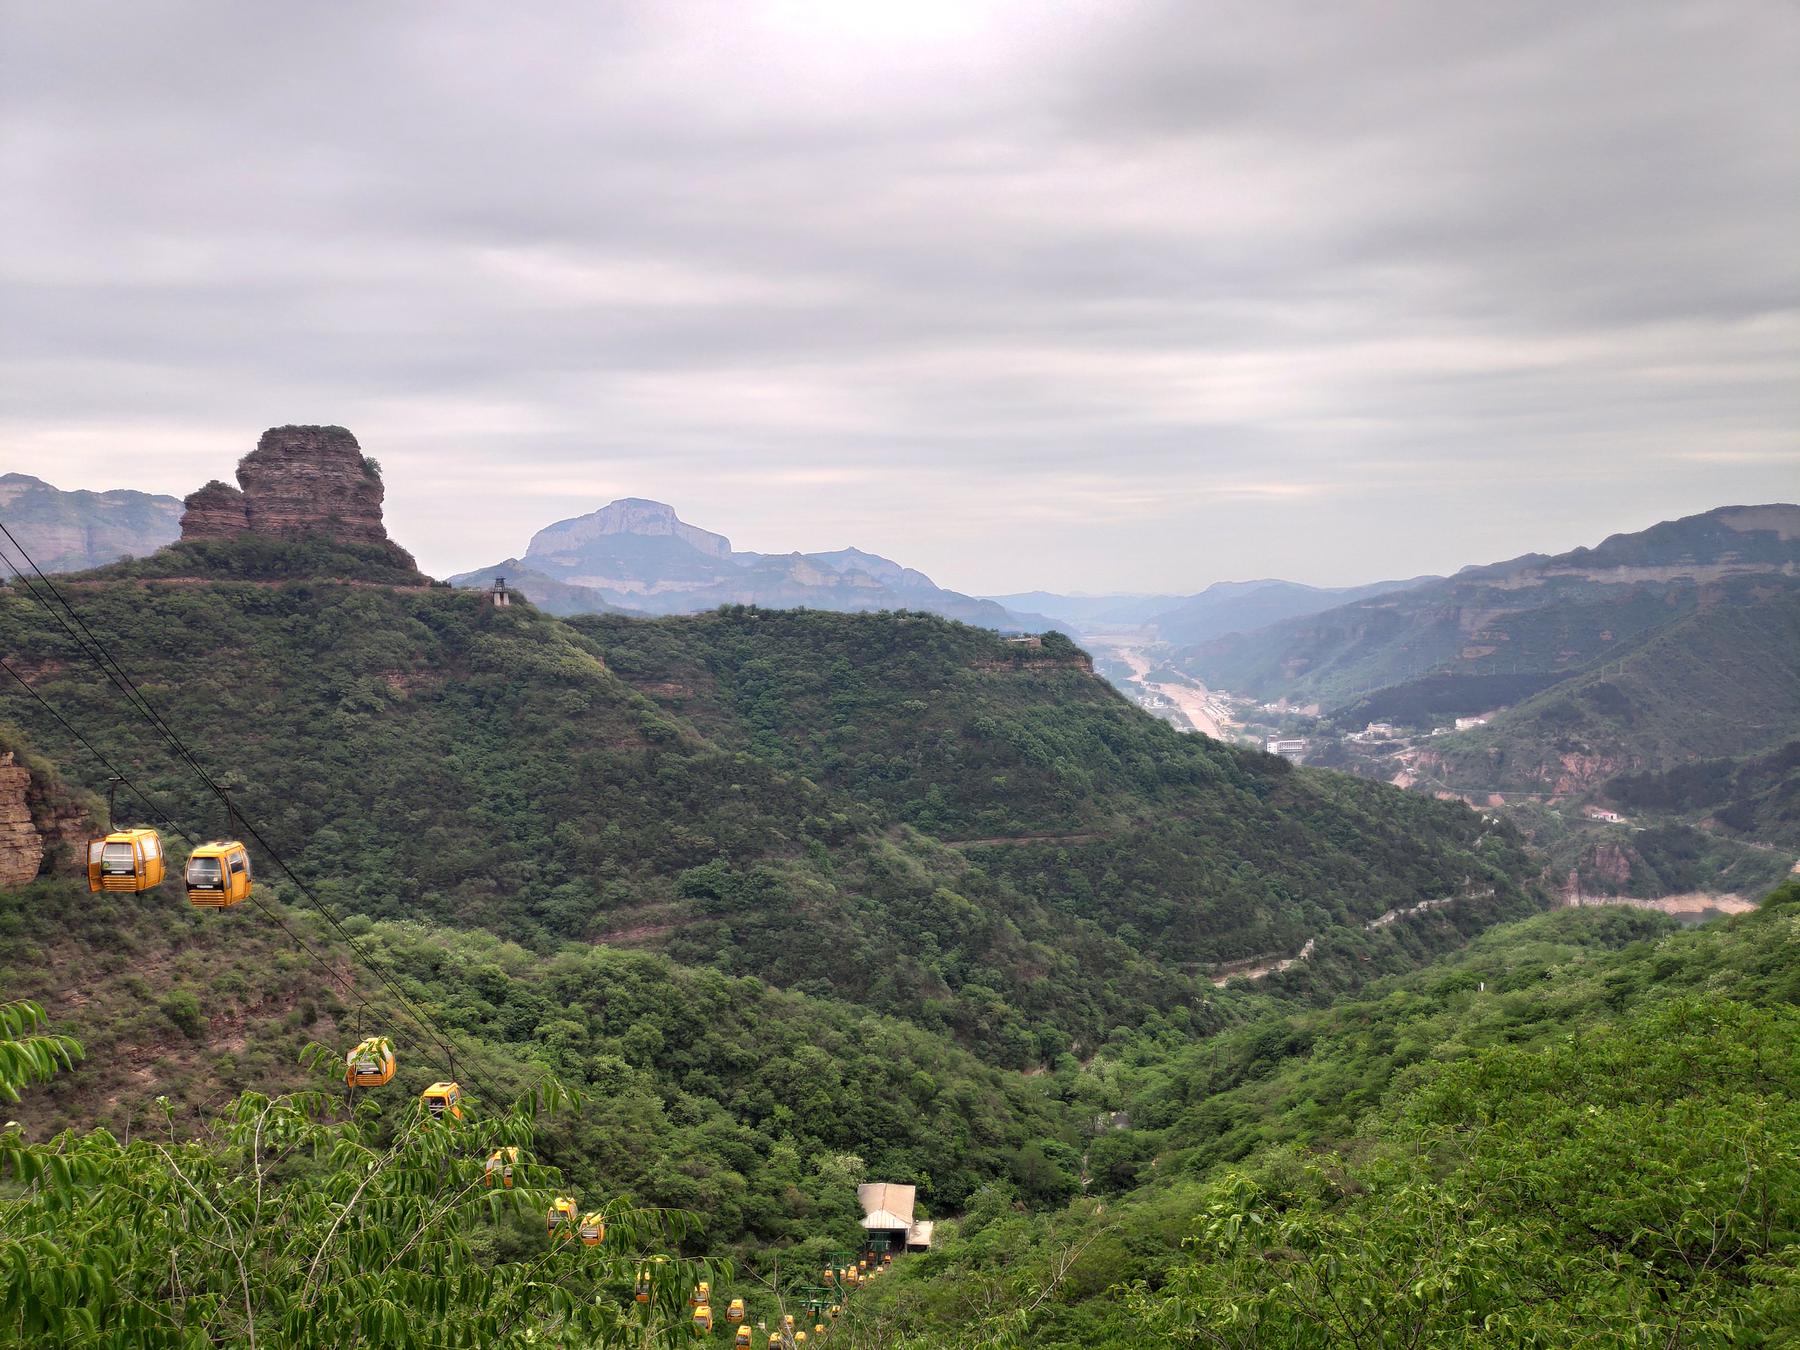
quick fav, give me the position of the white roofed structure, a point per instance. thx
(887, 1206)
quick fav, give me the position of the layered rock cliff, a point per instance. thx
(299, 482)
(42, 826)
(21, 848)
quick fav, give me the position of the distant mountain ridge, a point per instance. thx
(70, 531)
(1223, 607)
(1534, 613)
(1244, 606)
(1719, 682)
(637, 556)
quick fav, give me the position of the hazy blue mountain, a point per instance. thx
(1091, 613)
(1243, 606)
(638, 556)
(1532, 614)
(71, 531)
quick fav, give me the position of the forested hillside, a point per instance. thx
(1717, 684)
(421, 753)
(1580, 1131)
(1059, 789)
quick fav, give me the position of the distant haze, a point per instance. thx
(1097, 296)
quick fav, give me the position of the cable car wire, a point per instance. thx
(140, 701)
(331, 972)
(427, 1026)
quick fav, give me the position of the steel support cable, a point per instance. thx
(331, 971)
(123, 682)
(155, 810)
(141, 704)
(427, 1026)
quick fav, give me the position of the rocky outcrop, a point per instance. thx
(1603, 868)
(21, 847)
(298, 482)
(216, 511)
(41, 825)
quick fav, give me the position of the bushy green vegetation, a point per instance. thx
(1585, 1129)
(1182, 846)
(421, 753)
(881, 857)
(1756, 797)
(253, 557)
(294, 1220)
(759, 1108)
(1674, 699)
(1433, 700)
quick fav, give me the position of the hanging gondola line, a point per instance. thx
(136, 697)
(94, 649)
(589, 1229)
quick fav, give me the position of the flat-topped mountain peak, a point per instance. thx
(627, 516)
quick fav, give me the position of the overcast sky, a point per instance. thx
(1091, 296)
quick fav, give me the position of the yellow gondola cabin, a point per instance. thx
(443, 1099)
(702, 1293)
(370, 1064)
(125, 860)
(734, 1311)
(500, 1166)
(562, 1212)
(702, 1320)
(592, 1229)
(218, 874)
(742, 1340)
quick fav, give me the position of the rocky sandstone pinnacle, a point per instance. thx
(299, 481)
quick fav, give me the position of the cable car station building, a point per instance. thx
(888, 1223)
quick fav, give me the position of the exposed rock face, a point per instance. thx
(21, 847)
(299, 481)
(41, 824)
(216, 511)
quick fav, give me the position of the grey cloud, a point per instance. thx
(1081, 296)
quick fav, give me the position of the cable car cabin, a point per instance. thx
(702, 1320)
(218, 875)
(818, 1328)
(702, 1294)
(562, 1213)
(371, 1064)
(742, 1340)
(592, 1229)
(500, 1165)
(443, 1099)
(799, 1338)
(642, 1293)
(125, 860)
(734, 1311)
